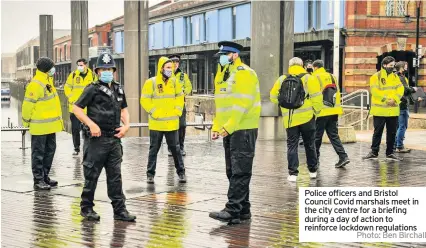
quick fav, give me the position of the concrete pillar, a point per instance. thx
(79, 32)
(136, 60)
(46, 36)
(288, 33)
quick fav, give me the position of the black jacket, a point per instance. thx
(407, 92)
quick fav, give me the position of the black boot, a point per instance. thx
(182, 178)
(245, 216)
(150, 179)
(342, 162)
(89, 214)
(51, 182)
(225, 217)
(124, 216)
(42, 185)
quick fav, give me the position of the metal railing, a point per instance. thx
(23, 130)
(363, 106)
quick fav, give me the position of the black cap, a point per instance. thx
(229, 47)
(174, 57)
(105, 60)
(44, 64)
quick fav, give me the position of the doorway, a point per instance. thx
(407, 56)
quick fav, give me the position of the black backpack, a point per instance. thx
(329, 93)
(292, 94)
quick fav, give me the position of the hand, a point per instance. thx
(415, 88)
(95, 131)
(121, 131)
(178, 113)
(215, 135)
(224, 133)
(419, 99)
(391, 102)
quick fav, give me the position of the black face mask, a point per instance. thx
(310, 70)
(388, 70)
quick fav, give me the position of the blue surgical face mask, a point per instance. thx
(51, 72)
(107, 76)
(167, 73)
(224, 60)
(80, 68)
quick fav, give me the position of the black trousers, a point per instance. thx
(391, 127)
(239, 154)
(329, 124)
(75, 130)
(172, 139)
(43, 149)
(103, 152)
(307, 131)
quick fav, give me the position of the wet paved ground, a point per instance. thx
(174, 215)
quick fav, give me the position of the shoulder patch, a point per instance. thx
(240, 68)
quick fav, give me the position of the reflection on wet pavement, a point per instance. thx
(170, 214)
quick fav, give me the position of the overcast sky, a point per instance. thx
(19, 19)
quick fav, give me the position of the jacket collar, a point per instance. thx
(319, 71)
(296, 70)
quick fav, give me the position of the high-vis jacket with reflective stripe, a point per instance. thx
(324, 79)
(41, 109)
(312, 104)
(185, 83)
(382, 88)
(237, 98)
(75, 85)
(163, 101)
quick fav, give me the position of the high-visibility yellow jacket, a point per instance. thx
(324, 79)
(41, 109)
(163, 101)
(75, 85)
(312, 105)
(183, 80)
(237, 98)
(384, 87)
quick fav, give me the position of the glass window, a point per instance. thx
(395, 7)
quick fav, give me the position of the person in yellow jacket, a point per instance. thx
(163, 99)
(181, 78)
(41, 112)
(238, 106)
(328, 117)
(386, 91)
(300, 121)
(76, 82)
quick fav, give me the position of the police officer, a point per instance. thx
(386, 91)
(106, 105)
(41, 112)
(238, 106)
(181, 78)
(76, 82)
(328, 117)
(300, 121)
(163, 98)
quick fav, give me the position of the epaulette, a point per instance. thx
(240, 68)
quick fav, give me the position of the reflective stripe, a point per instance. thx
(25, 120)
(40, 83)
(223, 95)
(320, 81)
(386, 87)
(30, 100)
(247, 96)
(146, 95)
(257, 104)
(165, 118)
(237, 108)
(316, 94)
(182, 93)
(297, 111)
(179, 108)
(382, 106)
(163, 96)
(46, 120)
(224, 109)
(79, 86)
(47, 97)
(152, 111)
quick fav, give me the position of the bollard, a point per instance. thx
(8, 122)
(23, 140)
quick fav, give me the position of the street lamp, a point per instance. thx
(418, 52)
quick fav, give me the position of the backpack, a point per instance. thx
(292, 93)
(329, 92)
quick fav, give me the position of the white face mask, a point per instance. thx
(80, 68)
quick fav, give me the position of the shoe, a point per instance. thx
(42, 185)
(124, 216)
(182, 178)
(301, 143)
(393, 157)
(403, 150)
(371, 155)
(150, 179)
(292, 178)
(225, 217)
(170, 153)
(51, 182)
(342, 162)
(246, 216)
(75, 153)
(89, 214)
(312, 175)
(182, 151)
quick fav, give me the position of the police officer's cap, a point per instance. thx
(44, 64)
(229, 47)
(175, 57)
(105, 60)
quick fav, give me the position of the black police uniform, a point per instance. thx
(104, 105)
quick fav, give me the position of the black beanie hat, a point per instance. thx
(44, 64)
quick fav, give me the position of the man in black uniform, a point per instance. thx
(106, 106)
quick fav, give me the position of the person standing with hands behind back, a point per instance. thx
(106, 106)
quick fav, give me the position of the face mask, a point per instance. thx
(224, 60)
(310, 70)
(107, 76)
(80, 68)
(167, 73)
(51, 72)
(389, 70)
